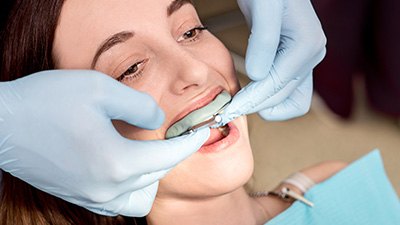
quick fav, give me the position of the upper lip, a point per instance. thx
(197, 103)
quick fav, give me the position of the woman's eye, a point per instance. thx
(131, 72)
(191, 34)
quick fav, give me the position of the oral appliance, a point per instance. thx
(207, 116)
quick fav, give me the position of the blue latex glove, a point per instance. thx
(285, 44)
(56, 134)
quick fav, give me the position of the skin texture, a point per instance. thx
(183, 69)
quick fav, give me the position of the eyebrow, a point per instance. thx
(125, 35)
(111, 42)
(176, 5)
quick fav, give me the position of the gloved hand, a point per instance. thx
(285, 44)
(56, 134)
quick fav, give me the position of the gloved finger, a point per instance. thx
(293, 63)
(303, 41)
(297, 104)
(264, 38)
(298, 54)
(258, 95)
(142, 181)
(133, 204)
(114, 99)
(151, 156)
(285, 93)
(137, 108)
(301, 48)
(137, 182)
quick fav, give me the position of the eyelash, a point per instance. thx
(130, 74)
(198, 30)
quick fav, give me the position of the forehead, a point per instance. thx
(83, 25)
(98, 12)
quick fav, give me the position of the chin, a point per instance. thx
(211, 174)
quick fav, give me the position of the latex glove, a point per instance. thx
(286, 43)
(56, 134)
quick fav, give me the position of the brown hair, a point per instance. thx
(27, 38)
(22, 204)
(27, 42)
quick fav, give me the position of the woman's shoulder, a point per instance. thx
(323, 171)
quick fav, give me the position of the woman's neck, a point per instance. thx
(233, 208)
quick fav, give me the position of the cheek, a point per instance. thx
(157, 91)
(216, 56)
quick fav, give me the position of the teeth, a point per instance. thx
(224, 130)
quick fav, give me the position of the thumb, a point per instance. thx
(134, 107)
(163, 154)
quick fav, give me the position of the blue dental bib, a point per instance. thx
(359, 194)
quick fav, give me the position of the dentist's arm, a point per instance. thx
(56, 134)
(286, 43)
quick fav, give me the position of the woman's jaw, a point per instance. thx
(216, 169)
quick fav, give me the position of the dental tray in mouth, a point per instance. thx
(205, 116)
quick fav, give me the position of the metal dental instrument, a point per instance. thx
(204, 116)
(213, 120)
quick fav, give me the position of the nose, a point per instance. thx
(191, 73)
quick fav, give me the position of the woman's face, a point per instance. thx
(160, 47)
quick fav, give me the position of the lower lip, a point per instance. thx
(233, 136)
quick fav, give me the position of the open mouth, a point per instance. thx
(217, 134)
(221, 138)
(202, 117)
